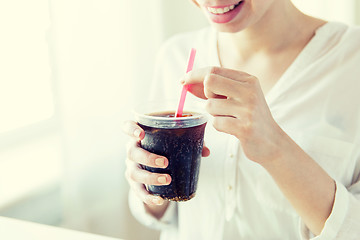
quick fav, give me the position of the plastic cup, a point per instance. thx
(180, 140)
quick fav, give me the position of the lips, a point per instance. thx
(224, 14)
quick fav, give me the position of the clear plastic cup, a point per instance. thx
(180, 140)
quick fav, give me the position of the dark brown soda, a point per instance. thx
(182, 146)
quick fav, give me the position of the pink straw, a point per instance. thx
(190, 65)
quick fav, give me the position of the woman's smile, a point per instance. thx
(224, 13)
(221, 9)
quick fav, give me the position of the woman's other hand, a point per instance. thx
(138, 177)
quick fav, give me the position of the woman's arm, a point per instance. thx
(236, 101)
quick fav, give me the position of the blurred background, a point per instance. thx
(70, 72)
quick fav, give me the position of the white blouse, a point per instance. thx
(316, 102)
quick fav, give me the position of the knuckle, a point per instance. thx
(209, 81)
(137, 154)
(247, 128)
(148, 179)
(128, 127)
(125, 126)
(126, 174)
(129, 149)
(132, 175)
(213, 70)
(252, 80)
(148, 159)
(252, 99)
(152, 179)
(248, 117)
(209, 105)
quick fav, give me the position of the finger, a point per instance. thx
(225, 107)
(216, 86)
(205, 152)
(141, 156)
(131, 164)
(228, 125)
(196, 81)
(232, 74)
(140, 190)
(145, 177)
(197, 76)
(145, 196)
(133, 130)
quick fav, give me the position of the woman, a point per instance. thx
(285, 155)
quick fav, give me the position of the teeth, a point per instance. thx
(222, 10)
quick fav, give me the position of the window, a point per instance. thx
(25, 89)
(29, 148)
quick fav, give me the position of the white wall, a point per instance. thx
(331, 10)
(98, 48)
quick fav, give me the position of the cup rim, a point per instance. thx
(144, 118)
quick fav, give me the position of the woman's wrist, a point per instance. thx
(284, 149)
(270, 148)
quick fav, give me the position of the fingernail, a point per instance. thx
(162, 179)
(157, 200)
(137, 132)
(160, 162)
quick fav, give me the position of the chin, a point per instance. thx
(229, 28)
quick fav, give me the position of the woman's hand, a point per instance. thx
(238, 105)
(138, 177)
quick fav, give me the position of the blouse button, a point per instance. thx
(231, 155)
(229, 187)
